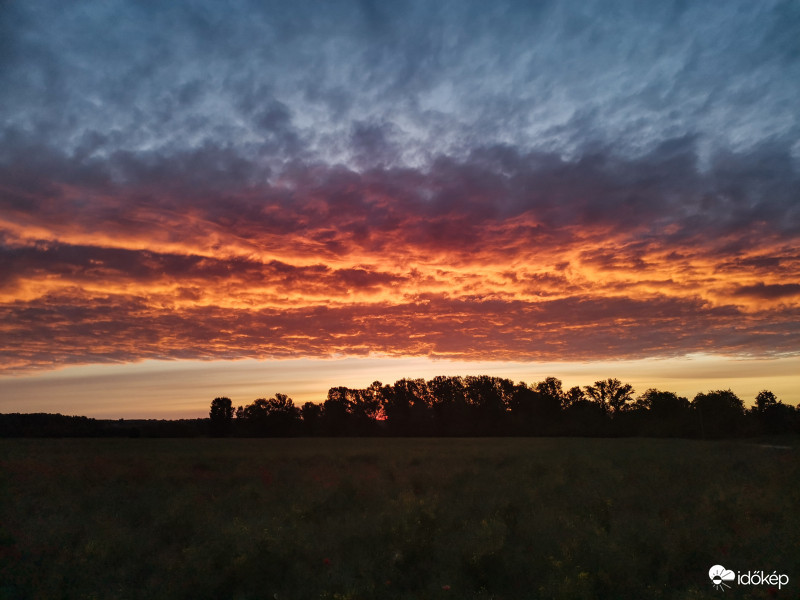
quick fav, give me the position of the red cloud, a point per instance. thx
(501, 256)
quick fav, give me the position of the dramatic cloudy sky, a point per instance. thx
(482, 183)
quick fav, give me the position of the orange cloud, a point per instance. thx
(496, 257)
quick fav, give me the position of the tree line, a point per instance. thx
(493, 406)
(60, 426)
(452, 406)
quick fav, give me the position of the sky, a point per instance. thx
(243, 198)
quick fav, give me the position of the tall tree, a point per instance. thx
(311, 414)
(407, 407)
(773, 416)
(221, 410)
(282, 415)
(610, 393)
(365, 408)
(551, 388)
(276, 416)
(662, 404)
(489, 398)
(720, 413)
(336, 411)
(221, 415)
(663, 414)
(532, 411)
(449, 405)
(573, 395)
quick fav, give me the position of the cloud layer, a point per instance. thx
(573, 182)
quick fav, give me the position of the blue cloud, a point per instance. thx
(280, 81)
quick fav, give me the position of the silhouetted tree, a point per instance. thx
(406, 405)
(772, 415)
(221, 415)
(374, 395)
(573, 395)
(451, 414)
(489, 398)
(720, 413)
(765, 399)
(277, 416)
(282, 415)
(551, 388)
(336, 412)
(610, 393)
(663, 404)
(311, 415)
(552, 398)
(254, 417)
(663, 413)
(779, 418)
(365, 408)
(534, 411)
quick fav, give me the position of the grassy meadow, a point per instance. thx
(394, 518)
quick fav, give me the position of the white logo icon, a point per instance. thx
(719, 575)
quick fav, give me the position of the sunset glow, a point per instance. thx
(507, 186)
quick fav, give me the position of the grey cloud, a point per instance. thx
(549, 76)
(79, 265)
(372, 144)
(743, 202)
(769, 291)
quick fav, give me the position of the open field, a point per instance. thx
(395, 518)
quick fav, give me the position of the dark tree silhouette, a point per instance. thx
(663, 404)
(534, 412)
(365, 408)
(282, 415)
(485, 405)
(406, 405)
(254, 417)
(336, 412)
(551, 388)
(451, 414)
(720, 413)
(573, 395)
(257, 411)
(473, 405)
(277, 416)
(662, 413)
(489, 398)
(373, 397)
(221, 409)
(221, 415)
(610, 393)
(764, 400)
(311, 414)
(774, 416)
(551, 401)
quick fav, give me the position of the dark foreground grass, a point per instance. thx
(394, 518)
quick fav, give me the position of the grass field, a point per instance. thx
(394, 518)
